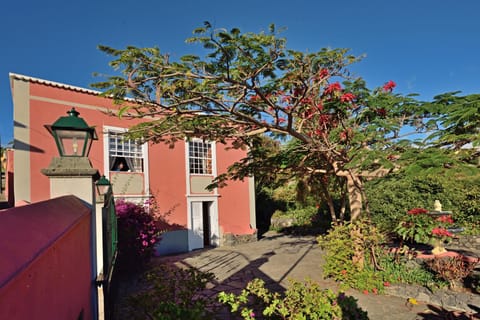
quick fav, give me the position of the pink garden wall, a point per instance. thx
(46, 261)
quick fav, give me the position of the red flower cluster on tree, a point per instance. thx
(441, 232)
(381, 112)
(254, 98)
(347, 97)
(332, 88)
(323, 73)
(416, 211)
(389, 86)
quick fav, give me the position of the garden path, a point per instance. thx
(275, 259)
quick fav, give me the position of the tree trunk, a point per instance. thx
(328, 199)
(354, 190)
(354, 187)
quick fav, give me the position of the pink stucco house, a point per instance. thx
(175, 177)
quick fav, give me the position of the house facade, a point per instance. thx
(175, 177)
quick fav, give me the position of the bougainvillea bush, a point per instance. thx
(137, 234)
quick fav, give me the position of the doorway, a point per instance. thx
(203, 224)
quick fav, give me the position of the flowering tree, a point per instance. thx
(249, 84)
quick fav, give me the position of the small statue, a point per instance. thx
(437, 206)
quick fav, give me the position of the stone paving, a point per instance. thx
(277, 258)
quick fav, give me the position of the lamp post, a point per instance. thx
(72, 174)
(72, 134)
(73, 138)
(103, 186)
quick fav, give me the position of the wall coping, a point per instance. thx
(27, 231)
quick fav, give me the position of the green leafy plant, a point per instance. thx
(300, 301)
(171, 293)
(421, 227)
(403, 269)
(380, 270)
(346, 246)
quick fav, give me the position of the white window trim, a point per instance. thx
(106, 156)
(187, 165)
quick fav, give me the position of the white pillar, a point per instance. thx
(76, 176)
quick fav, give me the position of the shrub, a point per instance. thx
(170, 294)
(452, 269)
(421, 227)
(137, 234)
(346, 246)
(378, 269)
(300, 301)
(389, 196)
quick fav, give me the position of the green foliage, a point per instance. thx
(402, 269)
(417, 228)
(249, 84)
(170, 294)
(459, 118)
(380, 268)
(343, 244)
(390, 197)
(300, 301)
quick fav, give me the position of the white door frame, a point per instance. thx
(214, 227)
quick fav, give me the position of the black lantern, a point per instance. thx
(72, 135)
(103, 186)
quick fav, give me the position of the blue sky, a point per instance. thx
(426, 46)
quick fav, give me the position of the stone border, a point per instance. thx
(448, 299)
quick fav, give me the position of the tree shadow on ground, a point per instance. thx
(233, 270)
(438, 313)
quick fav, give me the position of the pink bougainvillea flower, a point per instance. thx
(389, 86)
(331, 88)
(386, 284)
(281, 120)
(416, 211)
(347, 97)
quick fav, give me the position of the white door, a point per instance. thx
(196, 234)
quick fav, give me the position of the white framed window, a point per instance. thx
(124, 154)
(200, 157)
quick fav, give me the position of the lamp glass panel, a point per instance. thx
(71, 142)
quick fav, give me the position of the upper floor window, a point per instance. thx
(124, 154)
(200, 157)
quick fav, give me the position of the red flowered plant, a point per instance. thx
(416, 211)
(421, 227)
(441, 232)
